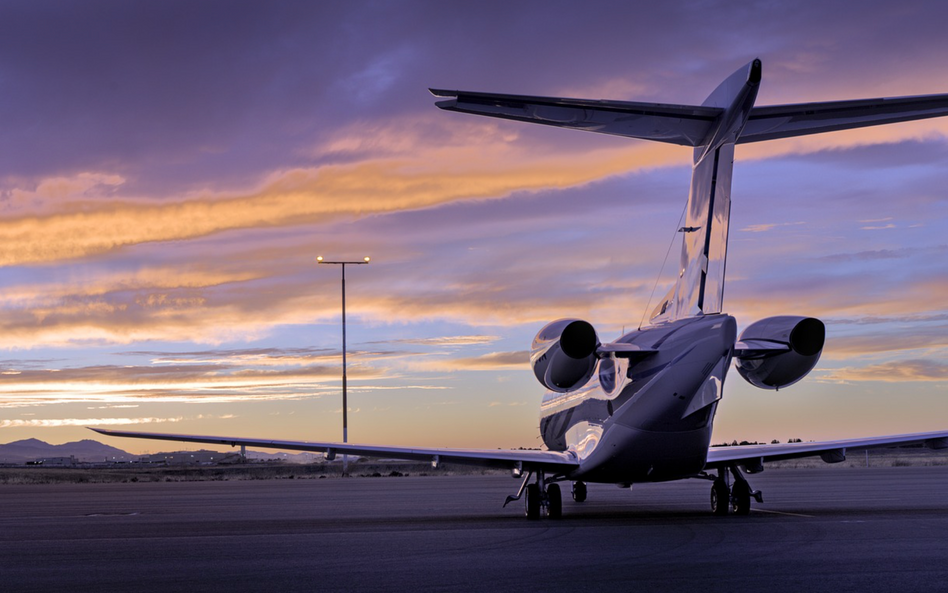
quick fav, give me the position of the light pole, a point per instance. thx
(345, 399)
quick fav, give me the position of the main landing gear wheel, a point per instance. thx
(555, 501)
(539, 498)
(736, 498)
(720, 498)
(579, 491)
(532, 502)
(741, 498)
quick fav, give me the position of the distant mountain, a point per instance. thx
(304, 457)
(32, 443)
(84, 450)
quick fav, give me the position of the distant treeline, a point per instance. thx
(735, 443)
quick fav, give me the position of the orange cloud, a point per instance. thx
(207, 383)
(894, 372)
(446, 340)
(411, 175)
(495, 361)
(841, 299)
(58, 422)
(419, 176)
(396, 167)
(920, 335)
(929, 129)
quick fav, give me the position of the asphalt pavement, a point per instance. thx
(827, 529)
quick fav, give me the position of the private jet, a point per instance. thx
(641, 408)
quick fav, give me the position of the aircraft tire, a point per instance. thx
(555, 498)
(720, 498)
(741, 498)
(532, 502)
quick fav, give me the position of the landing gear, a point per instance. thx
(532, 502)
(579, 491)
(736, 498)
(538, 497)
(741, 497)
(555, 501)
(719, 497)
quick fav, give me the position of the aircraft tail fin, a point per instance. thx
(700, 285)
(726, 118)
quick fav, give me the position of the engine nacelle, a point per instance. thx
(563, 355)
(773, 369)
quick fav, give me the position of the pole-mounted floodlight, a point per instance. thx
(345, 399)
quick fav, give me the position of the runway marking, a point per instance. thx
(784, 513)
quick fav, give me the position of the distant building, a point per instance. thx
(201, 457)
(55, 462)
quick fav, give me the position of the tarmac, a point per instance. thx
(827, 529)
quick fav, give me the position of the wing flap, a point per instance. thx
(787, 121)
(685, 125)
(529, 460)
(830, 451)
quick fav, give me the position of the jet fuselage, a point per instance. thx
(651, 420)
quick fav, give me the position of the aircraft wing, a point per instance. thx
(829, 451)
(786, 121)
(685, 125)
(529, 460)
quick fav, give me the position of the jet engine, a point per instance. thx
(779, 351)
(563, 354)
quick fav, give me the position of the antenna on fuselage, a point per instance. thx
(658, 278)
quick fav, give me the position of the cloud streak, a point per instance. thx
(894, 372)
(305, 196)
(61, 422)
(494, 361)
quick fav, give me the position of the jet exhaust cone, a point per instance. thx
(579, 339)
(808, 336)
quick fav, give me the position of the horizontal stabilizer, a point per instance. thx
(688, 125)
(787, 121)
(685, 125)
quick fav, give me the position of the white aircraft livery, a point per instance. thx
(641, 408)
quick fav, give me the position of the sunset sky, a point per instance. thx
(170, 170)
